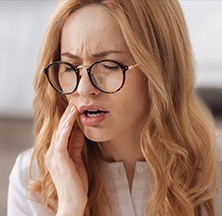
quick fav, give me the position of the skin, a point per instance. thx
(82, 44)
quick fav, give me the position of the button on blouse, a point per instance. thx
(126, 202)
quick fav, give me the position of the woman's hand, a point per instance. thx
(64, 162)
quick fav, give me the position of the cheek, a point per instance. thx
(137, 88)
(132, 106)
(138, 101)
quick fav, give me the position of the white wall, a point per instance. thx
(204, 19)
(22, 24)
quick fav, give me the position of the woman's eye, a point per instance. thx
(111, 67)
(68, 69)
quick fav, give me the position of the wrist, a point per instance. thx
(70, 210)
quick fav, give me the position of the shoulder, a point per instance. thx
(17, 189)
(19, 200)
(22, 172)
(21, 168)
(24, 158)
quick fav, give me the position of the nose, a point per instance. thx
(85, 87)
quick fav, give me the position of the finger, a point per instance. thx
(59, 142)
(76, 143)
(64, 116)
(66, 129)
(60, 136)
(63, 121)
(60, 126)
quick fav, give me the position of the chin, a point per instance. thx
(95, 138)
(95, 134)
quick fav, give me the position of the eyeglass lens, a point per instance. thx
(62, 77)
(107, 76)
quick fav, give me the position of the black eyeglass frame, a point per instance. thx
(77, 72)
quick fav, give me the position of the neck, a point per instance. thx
(128, 153)
(125, 149)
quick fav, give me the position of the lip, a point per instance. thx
(91, 107)
(92, 120)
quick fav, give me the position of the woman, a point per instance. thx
(118, 128)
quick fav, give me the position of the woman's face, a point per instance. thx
(91, 34)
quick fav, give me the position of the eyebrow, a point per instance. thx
(96, 55)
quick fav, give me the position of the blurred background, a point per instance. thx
(23, 24)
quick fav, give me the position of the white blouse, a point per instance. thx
(124, 201)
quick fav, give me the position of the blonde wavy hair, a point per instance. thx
(177, 140)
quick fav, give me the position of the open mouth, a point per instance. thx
(94, 113)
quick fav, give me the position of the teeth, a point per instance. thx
(93, 113)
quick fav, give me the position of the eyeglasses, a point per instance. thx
(106, 75)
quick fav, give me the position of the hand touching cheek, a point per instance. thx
(65, 165)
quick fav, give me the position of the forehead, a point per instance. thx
(92, 15)
(89, 28)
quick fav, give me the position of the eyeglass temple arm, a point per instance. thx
(133, 66)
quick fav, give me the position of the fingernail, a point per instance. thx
(72, 108)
